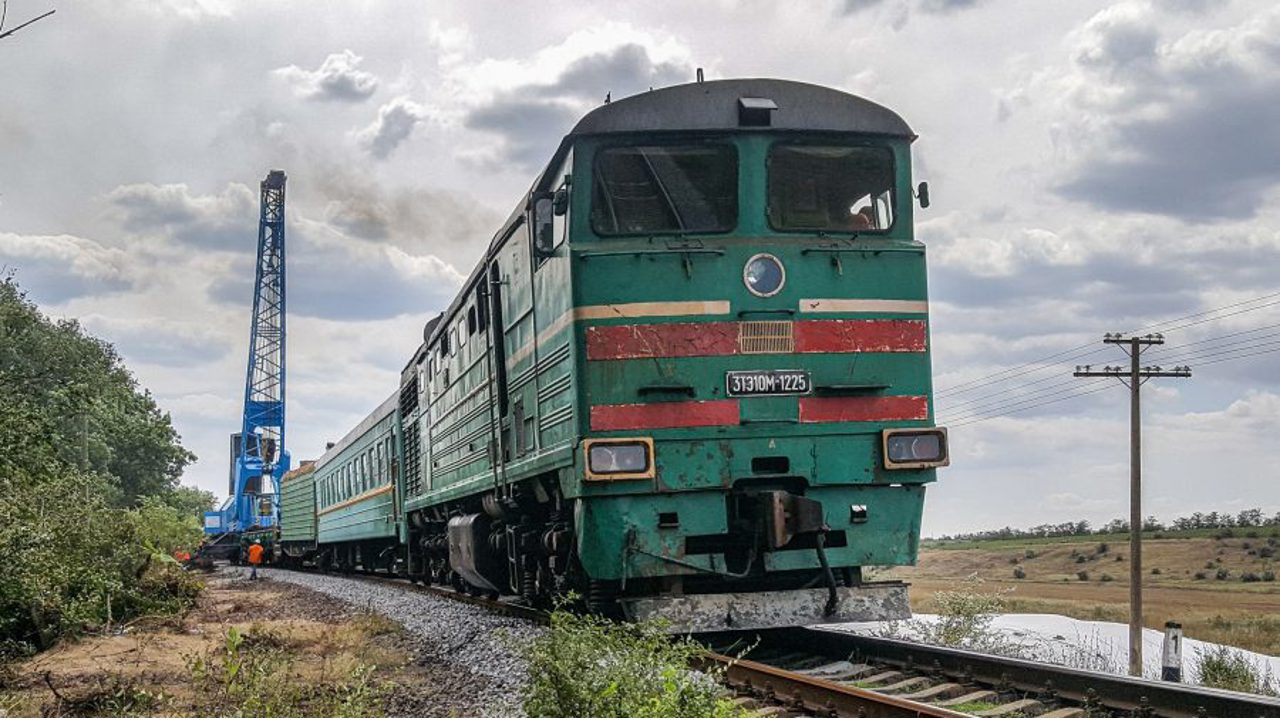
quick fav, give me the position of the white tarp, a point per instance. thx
(1089, 645)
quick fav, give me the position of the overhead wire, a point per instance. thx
(1016, 408)
(1039, 364)
(1065, 391)
(990, 405)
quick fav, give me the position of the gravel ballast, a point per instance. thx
(483, 647)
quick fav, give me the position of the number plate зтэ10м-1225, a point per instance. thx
(767, 382)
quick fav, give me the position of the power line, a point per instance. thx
(1035, 364)
(1267, 300)
(1239, 356)
(997, 403)
(1210, 352)
(1225, 336)
(968, 421)
(976, 415)
(985, 397)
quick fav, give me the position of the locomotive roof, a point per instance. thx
(716, 105)
(703, 106)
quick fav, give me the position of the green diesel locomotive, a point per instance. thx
(689, 377)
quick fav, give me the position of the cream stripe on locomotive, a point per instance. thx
(650, 309)
(901, 306)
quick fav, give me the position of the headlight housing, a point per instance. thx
(915, 448)
(609, 459)
(764, 275)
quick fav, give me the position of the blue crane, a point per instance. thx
(258, 457)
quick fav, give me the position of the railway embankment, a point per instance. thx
(289, 645)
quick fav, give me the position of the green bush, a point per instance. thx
(82, 447)
(1019, 573)
(590, 666)
(1230, 669)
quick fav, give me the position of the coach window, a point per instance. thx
(482, 310)
(462, 332)
(471, 320)
(830, 188)
(665, 189)
(453, 342)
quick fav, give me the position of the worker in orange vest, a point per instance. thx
(255, 558)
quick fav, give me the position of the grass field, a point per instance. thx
(1197, 580)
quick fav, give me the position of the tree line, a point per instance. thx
(90, 504)
(1249, 518)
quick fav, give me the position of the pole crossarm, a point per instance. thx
(1148, 372)
(1133, 377)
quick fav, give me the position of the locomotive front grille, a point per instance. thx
(772, 337)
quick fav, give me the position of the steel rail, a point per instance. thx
(1086, 688)
(818, 696)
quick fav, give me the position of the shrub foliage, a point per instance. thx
(90, 508)
(589, 666)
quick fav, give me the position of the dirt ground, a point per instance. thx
(1227, 610)
(321, 638)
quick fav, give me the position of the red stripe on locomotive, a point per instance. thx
(644, 341)
(664, 415)
(818, 409)
(832, 336)
(703, 339)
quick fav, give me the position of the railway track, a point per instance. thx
(934, 681)
(817, 673)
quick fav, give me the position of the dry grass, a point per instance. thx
(149, 664)
(1228, 611)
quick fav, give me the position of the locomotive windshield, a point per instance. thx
(830, 188)
(665, 189)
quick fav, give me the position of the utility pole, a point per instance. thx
(1134, 378)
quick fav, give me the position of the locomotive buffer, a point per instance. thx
(258, 457)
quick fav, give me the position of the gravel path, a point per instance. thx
(480, 647)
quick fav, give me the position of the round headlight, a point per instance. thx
(764, 275)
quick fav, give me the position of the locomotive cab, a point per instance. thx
(752, 314)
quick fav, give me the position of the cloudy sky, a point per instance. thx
(1096, 166)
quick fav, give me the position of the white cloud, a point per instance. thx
(395, 123)
(339, 78)
(218, 222)
(81, 257)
